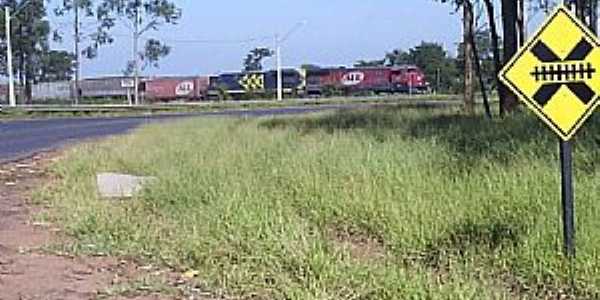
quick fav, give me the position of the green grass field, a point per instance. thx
(385, 203)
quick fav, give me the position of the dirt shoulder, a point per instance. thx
(29, 271)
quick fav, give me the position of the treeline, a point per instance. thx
(34, 60)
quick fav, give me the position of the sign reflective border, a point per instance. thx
(557, 73)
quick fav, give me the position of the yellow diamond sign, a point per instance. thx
(557, 73)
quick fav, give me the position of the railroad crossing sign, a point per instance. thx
(557, 73)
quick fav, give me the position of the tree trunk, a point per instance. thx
(586, 11)
(510, 13)
(580, 7)
(593, 13)
(21, 68)
(489, 5)
(468, 32)
(521, 26)
(486, 104)
(29, 67)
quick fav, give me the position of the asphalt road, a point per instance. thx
(21, 138)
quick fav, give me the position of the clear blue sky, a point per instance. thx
(337, 32)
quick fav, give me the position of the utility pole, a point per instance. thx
(77, 56)
(9, 61)
(279, 75)
(136, 71)
(279, 40)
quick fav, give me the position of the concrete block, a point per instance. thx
(114, 185)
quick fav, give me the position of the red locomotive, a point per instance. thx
(350, 81)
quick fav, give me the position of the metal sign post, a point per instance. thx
(568, 201)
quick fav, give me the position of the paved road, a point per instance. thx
(22, 138)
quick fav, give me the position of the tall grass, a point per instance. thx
(368, 204)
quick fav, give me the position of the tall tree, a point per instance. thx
(149, 56)
(253, 61)
(477, 58)
(495, 48)
(28, 23)
(433, 59)
(468, 32)
(143, 16)
(510, 25)
(55, 66)
(80, 9)
(397, 57)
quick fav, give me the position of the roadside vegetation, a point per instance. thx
(114, 108)
(389, 203)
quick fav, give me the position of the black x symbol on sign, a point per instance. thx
(555, 72)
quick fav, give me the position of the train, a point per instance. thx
(296, 83)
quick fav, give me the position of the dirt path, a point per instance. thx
(29, 272)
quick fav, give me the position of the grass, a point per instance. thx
(390, 203)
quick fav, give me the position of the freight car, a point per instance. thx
(247, 85)
(45, 92)
(162, 89)
(352, 81)
(244, 85)
(117, 87)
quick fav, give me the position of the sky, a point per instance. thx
(215, 36)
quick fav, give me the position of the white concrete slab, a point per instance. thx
(115, 185)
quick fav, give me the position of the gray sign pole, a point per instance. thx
(568, 206)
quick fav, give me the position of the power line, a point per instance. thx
(217, 41)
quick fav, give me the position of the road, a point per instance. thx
(22, 138)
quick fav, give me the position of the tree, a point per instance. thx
(435, 62)
(153, 51)
(397, 57)
(253, 61)
(468, 29)
(513, 34)
(510, 24)
(485, 49)
(32, 30)
(77, 6)
(55, 66)
(472, 40)
(495, 48)
(587, 11)
(143, 16)
(370, 63)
